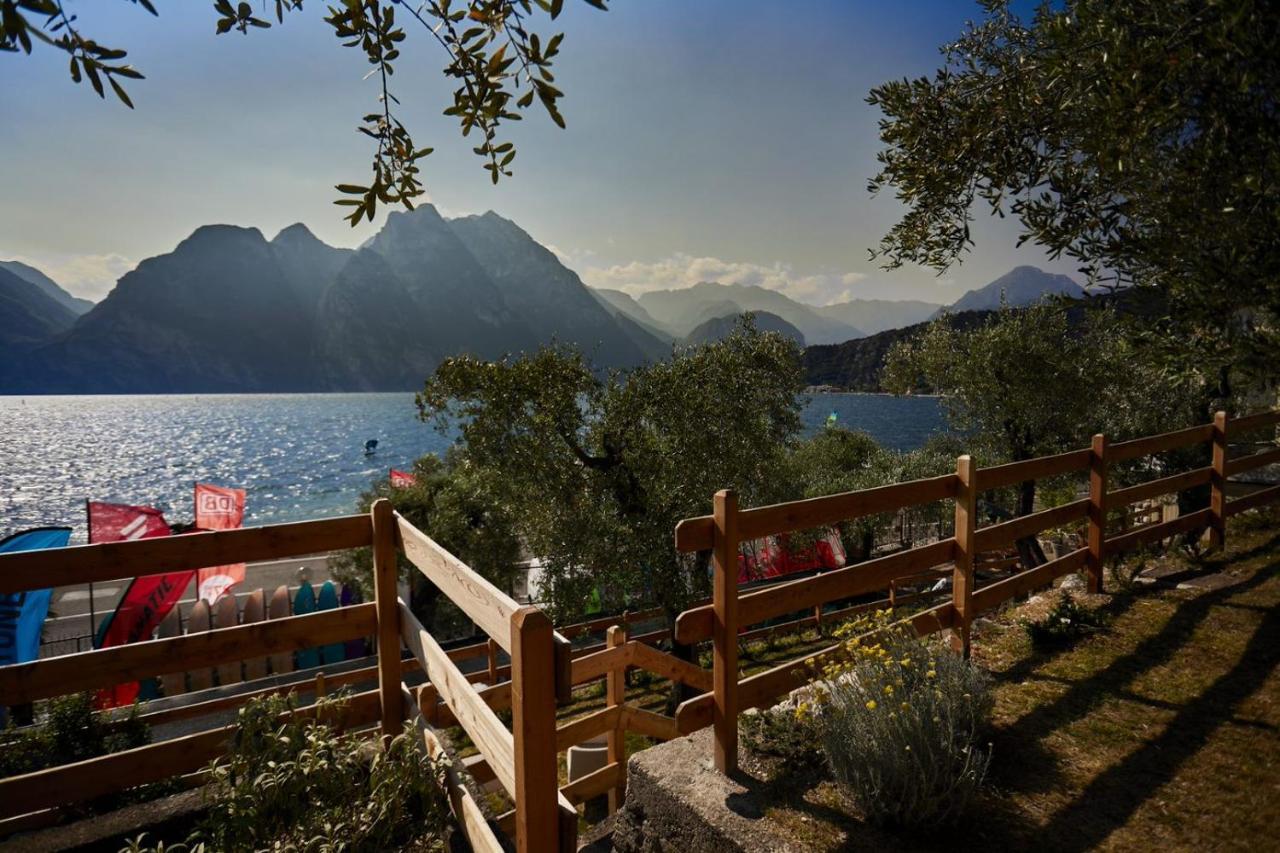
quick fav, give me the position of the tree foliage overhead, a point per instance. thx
(1140, 137)
(500, 65)
(598, 471)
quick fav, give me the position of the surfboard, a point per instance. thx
(253, 612)
(279, 608)
(304, 601)
(226, 615)
(173, 683)
(351, 595)
(328, 600)
(199, 679)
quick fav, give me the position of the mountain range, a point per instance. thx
(230, 311)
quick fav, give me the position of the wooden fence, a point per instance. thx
(543, 667)
(724, 619)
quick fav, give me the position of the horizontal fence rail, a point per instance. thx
(722, 532)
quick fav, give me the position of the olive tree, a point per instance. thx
(597, 470)
(1140, 138)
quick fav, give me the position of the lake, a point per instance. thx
(298, 455)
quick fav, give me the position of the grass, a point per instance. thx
(1161, 731)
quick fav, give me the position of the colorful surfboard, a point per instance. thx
(199, 679)
(328, 600)
(226, 615)
(351, 595)
(254, 612)
(281, 662)
(174, 683)
(304, 601)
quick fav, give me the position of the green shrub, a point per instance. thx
(781, 733)
(1065, 622)
(900, 721)
(71, 731)
(300, 785)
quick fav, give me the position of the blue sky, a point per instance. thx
(706, 139)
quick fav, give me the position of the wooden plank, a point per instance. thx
(1124, 450)
(1155, 488)
(497, 697)
(118, 771)
(486, 605)
(695, 534)
(1153, 532)
(595, 783)
(101, 668)
(476, 718)
(999, 476)
(824, 511)
(1262, 497)
(724, 631)
(694, 625)
(998, 535)
(478, 768)
(669, 666)
(114, 560)
(962, 579)
(389, 626)
(1249, 463)
(584, 728)
(997, 593)
(1100, 453)
(615, 694)
(1218, 483)
(1255, 421)
(533, 729)
(592, 666)
(466, 811)
(649, 724)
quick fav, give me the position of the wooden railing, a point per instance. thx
(726, 617)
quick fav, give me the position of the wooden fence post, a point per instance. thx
(962, 578)
(725, 631)
(385, 565)
(616, 694)
(533, 725)
(1097, 512)
(1218, 484)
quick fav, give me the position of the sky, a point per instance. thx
(722, 140)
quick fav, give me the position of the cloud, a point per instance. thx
(90, 276)
(683, 270)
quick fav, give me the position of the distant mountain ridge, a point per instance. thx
(1018, 287)
(680, 311)
(718, 328)
(229, 311)
(50, 287)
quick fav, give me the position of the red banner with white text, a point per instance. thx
(402, 479)
(146, 600)
(218, 508)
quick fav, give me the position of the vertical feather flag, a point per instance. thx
(22, 614)
(218, 508)
(147, 599)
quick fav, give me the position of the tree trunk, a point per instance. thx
(1030, 554)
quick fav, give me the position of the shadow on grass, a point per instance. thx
(1112, 798)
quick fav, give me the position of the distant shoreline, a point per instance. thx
(814, 392)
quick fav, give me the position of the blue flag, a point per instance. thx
(22, 613)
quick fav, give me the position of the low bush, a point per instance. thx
(297, 784)
(1065, 622)
(69, 731)
(900, 722)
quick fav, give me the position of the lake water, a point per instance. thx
(298, 455)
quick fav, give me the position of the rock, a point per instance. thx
(1073, 582)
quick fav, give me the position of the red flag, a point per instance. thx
(121, 522)
(772, 557)
(402, 479)
(147, 599)
(218, 509)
